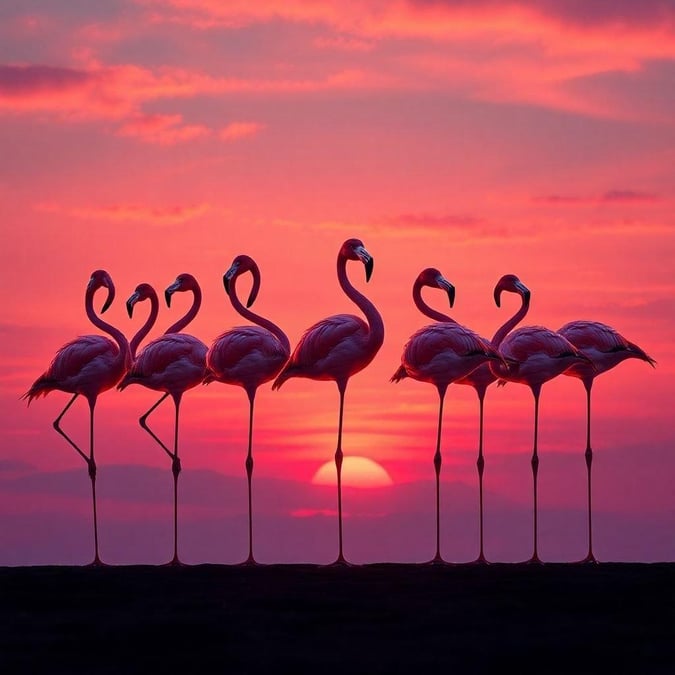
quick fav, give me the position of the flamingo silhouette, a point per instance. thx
(337, 347)
(606, 348)
(533, 355)
(482, 377)
(142, 292)
(440, 354)
(172, 363)
(247, 356)
(87, 366)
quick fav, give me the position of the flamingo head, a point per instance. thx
(241, 264)
(433, 278)
(512, 284)
(142, 292)
(101, 279)
(353, 249)
(184, 282)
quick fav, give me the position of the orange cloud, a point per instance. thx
(166, 215)
(237, 130)
(162, 129)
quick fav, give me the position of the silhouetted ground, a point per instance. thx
(388, 618)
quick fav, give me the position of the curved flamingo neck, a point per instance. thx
(190, 315)
(124, 355)
(375, 323)
(424, 308)
(512, 322)
(145, 328)
(257, 319)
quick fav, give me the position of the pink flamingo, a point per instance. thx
(87, 366)
(172, 363)
(534, 355)
(337, 347)
(247, 356)
(606, 348)
(482, 377)
(440, 354)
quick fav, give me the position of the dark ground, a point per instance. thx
(388, 618)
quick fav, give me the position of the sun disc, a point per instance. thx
(360, 472)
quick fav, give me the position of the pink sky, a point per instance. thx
(152, 138)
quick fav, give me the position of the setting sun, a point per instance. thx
(356, 472)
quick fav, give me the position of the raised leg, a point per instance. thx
(143, 422)
(57, 426)
(535, 470)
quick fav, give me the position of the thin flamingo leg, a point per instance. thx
(57, 427)
(97, 562)
(338, 466)
(143, 422)
(480, 464)
(535, 470)
(175, 470)
(438, 559)
(250, 560)
(590, 558)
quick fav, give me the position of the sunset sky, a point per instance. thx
(150, 138)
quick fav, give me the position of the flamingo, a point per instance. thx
(606, 348)
(440, 354)
(533, 355)
(142, 292)
(172, 363)
(247, 356)
(482, 377)
(87, 366)
(337, 347)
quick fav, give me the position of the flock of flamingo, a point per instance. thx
(334, 348)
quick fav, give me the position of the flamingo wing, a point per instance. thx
(529, 341)
(245, 353)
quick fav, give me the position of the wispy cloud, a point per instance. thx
(610, 197)
(237, 130)
(160, 215)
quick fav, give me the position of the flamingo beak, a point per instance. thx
(228, 276)
(175, 286)
(523, 290)
(130, 304)
(444, 284)
(366, 259)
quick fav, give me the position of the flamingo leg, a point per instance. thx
(338, 466)
(175, 469)
(249, 474)
(590, 558)
(143, 422)
(480, 464)
(57, 427)
(97, 562)
(437, 469)
(535, 470)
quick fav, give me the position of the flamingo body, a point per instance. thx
(442, 353)
(603, 345)
(247, 356)
(87, 365)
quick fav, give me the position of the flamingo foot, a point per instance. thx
(480, 560)
(534, 560)
(250, 562)
(175, 562)
(590, 559)
(340, 561)
(97, 562)
(437, 561)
